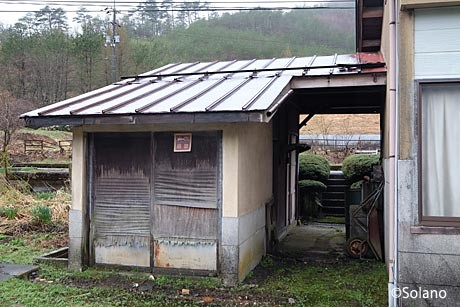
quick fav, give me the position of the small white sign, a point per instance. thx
(182, 142)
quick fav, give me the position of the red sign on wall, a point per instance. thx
(182, 142)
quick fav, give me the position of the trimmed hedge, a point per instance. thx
(313, 167)
(355, 167)
(312, 185)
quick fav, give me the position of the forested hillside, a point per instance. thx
(44, 59)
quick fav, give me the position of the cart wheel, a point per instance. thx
(356, 247)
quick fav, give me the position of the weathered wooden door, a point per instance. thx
(120, 219)
(186, 202)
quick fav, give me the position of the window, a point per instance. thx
(440, 153)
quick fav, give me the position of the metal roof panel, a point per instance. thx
(235, 86)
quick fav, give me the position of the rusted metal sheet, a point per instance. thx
(126, 250)
(186, 254)
(121, 199)
(185, 210)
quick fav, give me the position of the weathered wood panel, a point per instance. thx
(185, 214)
(122, 198)
(186, 178)
(184, 222)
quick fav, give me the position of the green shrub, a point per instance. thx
(41, 215)
(9, 212)
(45, 195)
(357, 185)
(355, 167)
(312, 185)
(313, 167)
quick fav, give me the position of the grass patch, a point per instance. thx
(9, 212)
(54, 134)
(345, 284)
(45, 195)
(20, 292)
(41, 215)
(44, 208)
(23, 250)
(273, 283)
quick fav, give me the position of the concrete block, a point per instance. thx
(250, 223)
(436, 297)
(435, 269)
(75, 254)
(230, 280)
(75, 223)
(427, 243)
(260, 218)
(230, 231)
(250, 253)
(229, 263)
(247, 226)
(407, 191)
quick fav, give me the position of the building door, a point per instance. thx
(120, 198)
(186, 201)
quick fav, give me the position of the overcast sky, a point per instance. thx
(21, 7)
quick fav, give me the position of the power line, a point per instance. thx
(108, 3)
(220, 9)
(179, 4)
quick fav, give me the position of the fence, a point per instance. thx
(41, 146)
(338, 142)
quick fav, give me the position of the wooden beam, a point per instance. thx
(373, 12)
(371, 43)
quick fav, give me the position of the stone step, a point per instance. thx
(336, 176)
(333, 203)
(334, 195)
(336, 182)
(336, 188)
(335, 211)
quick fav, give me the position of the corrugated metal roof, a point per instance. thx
(235, 86)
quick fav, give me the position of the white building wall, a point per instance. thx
(437, 43)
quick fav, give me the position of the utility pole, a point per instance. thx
(114, 39)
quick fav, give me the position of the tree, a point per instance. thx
(51, 19)
(152, 11)
(10, 109)
(87, 48)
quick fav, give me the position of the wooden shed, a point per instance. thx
(193, 167)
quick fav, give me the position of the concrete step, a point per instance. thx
(336, 176)
(336, 181)
(8, 270)
(334, 195)
(335, 211)
(333, 203)
(336, 188)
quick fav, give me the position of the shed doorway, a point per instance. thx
(153, 206)
(351, 98)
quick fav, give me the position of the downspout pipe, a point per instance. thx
(396, 184)
(393, 152)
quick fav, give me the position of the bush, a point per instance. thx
(313, 167)
(355, 167)
(9, 212)
(357, 185)
(41, 215)
(45, 195)
(312, 185)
